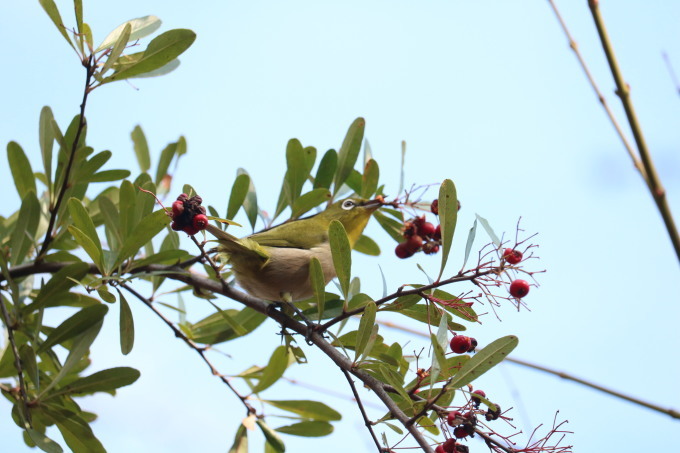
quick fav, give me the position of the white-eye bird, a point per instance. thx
(274, 264)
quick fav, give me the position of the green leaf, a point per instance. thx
(307, 429)
(240, 444)
(314, 410)
(250, 203)
(78, 9)
(88, 245)
(238, 329)
(341, 251)
(165, 69)
(43, 442)
(489, 230)
(349, 151)
(21, 169)
(273, 439)
(239, 191)
(76, 432)
(439, 345)
(139, 28)
(141, 147)
(46, 139)
(309, 200)
(296, 173)
(427, 315)
(51, 9)
(365, 330)
(492, 354)
(390, 225)
(470, 241)
(111, 218)
(161, 50)
(60, 283)
(367, 246)
(318, 284)
(101, 381)
(28, 361)
(326, 170)
(149, 227)
(75, 325)
(126, 326)
(274, 370)
(369, 180)
(164, 162)
(83, 222)
(117, 50)
(448, 215)
(109, 176)
(80, 347)
(23, 235)
(214, 329)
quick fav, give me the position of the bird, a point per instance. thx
(273, 264)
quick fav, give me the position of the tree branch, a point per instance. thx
(367, 422)
(17, 364)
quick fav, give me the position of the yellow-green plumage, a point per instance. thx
(274, 264)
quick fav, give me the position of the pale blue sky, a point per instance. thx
(485, 93)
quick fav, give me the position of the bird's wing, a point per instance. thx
(290, 235)
(234, 246)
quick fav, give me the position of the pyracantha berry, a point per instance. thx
(449, 445)
(440, 449)
(512, 256)
(434, 207)
(460, 344)
(403, 251)
(183, 197)
(477, 401)
(437, 235)
(414, 243)
(426, 230)
(473, 345)
(519, 288)
(200, 222)
(190, 230)
(176, 226)
(460, 432)
(493, 415)
(430, 248)
(177, 209)
(451, 417)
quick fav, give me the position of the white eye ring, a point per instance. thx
(348, 204)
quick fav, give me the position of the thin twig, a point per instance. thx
(574, 46)
(672, 412)
(90, 68)
(17, 364)
(200, 350)
(623, 91)
(367, 421)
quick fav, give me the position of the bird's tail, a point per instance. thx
(231, 245)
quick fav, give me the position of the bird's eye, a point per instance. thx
(348, 204)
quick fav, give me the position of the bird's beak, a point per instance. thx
(372, 204)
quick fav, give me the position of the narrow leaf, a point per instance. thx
(23, 235)
(141, 148)
(365, 329)
(274, 369)
(349, 151)
(21, 169)
(140, 28)
(240, 444)
(470, 241)
(326, 170)
(448, 215)
(296, 173)
(250, 203)
(369, 180)
(101, 381)
(43, 442)
(46, 135)
(341, 251)
(309, 200)
(273, 439)
(149, 227)
(307, 429)
(118, 48)
(51, 9)
(367, 246)
(489, 230)
(60, 282)
(239, 191)
(75, 325)
(318, 284)
(492, 354)
(126, 326)
(83, 221)
(314, 410)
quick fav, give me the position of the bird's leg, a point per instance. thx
(286, 297)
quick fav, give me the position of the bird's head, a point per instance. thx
(353, 213)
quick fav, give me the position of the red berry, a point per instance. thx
(183, 197)
(473, 345)
(190, 230)
(426, 229)
(460, 344)
(512, 256)
(177, 209)
(439, 449)
(200, 221)
(430, 248)
(451, 418)
(449, 445)
(460, 432)
(414, 243)
(519, 288)
(437, 233)
(434, 207)
(175, 226)
(402, 251)
(477, 401)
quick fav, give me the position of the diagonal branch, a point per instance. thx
(367, 422)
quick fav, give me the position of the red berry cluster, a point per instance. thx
(420, 235)
(451, 446)
(188, 215)
(461, 344)
(463, 424)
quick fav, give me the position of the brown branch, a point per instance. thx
(623, 91)
(90, 69)
(17, 364)
(367, 422)
(200, 350)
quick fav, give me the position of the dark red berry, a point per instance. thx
(460, 344)
(493, 415)
(451, 418)
(439, 449)
(176, 226)
(477, 401)
(434, 207)
(430, 248)
(177, 209)
(512, 256)
(409, 229)
(449, 445)
(426, 230)
(414, 243)
(519, 288)
(183, 197)
(460, 432)
(190, 230)
(473, 345)
(437, 233)
(200, 222)
(402, 251)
